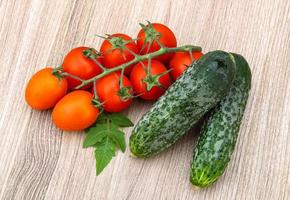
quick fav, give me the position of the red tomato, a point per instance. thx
(180, 61)
(112, 53)
(78, 65)
(44, 89)
(108, 91)
(167, 38)
(138, 75)
(75, 111)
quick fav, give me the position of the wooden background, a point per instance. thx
(37, 161)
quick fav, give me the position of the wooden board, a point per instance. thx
(37, 161)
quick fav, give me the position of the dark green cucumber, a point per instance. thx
(198, 90)
(219, 134)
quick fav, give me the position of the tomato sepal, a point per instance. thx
(57, 72)
(91, 53)
(153, 80)
(125, 93)
(118, 42)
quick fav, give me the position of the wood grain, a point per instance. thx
(37, 161)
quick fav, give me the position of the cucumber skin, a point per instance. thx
(219, 134)
(198, 90)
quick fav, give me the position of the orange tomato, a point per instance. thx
(44, 89)
(75, 111)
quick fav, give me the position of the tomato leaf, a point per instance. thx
(120, 120)
(118, 138)
(104, 153)
(105, 136)
(95, 135)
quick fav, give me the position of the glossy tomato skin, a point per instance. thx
(77, 64)
(180, 61)
(167, 38)
(107, 90)
(113, 58)
(44, 89)
(138, 74)
(75, 111)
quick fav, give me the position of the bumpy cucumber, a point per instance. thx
(198, 90)
(219, 134)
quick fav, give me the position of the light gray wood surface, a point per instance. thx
(37, 161)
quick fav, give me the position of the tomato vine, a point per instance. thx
(94, 54)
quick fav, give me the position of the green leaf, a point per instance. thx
(105, 137)
(120, 120)
(104, 153)
(95, 134)
(119, 138)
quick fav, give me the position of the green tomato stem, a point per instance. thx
(95, 90)
(122, 78)
(72, 76)
(98, 63)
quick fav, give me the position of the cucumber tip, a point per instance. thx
(132, 155)
(196, 188)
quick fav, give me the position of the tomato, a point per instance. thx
(78, 65)
(75, 111)
(44, 89)
(180, 61)
(167, 38)
(109, 93)
(138, 80)
(114, 51)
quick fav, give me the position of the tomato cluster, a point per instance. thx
(76, 105)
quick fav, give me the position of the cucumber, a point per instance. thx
(198, 90)
(219, 134)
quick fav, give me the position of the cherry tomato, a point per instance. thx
(44, 89)
(138, 79)
(109, 93)
(78, 65)
(167, 38)
(180, 61)
(114, 51)
(75, 111)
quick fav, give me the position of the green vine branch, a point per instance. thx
(139, 58)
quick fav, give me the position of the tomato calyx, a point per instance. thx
(91, 53)
(118, 42)
(125, 93)
(57, 72)
(153, 80)
(151, 35)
